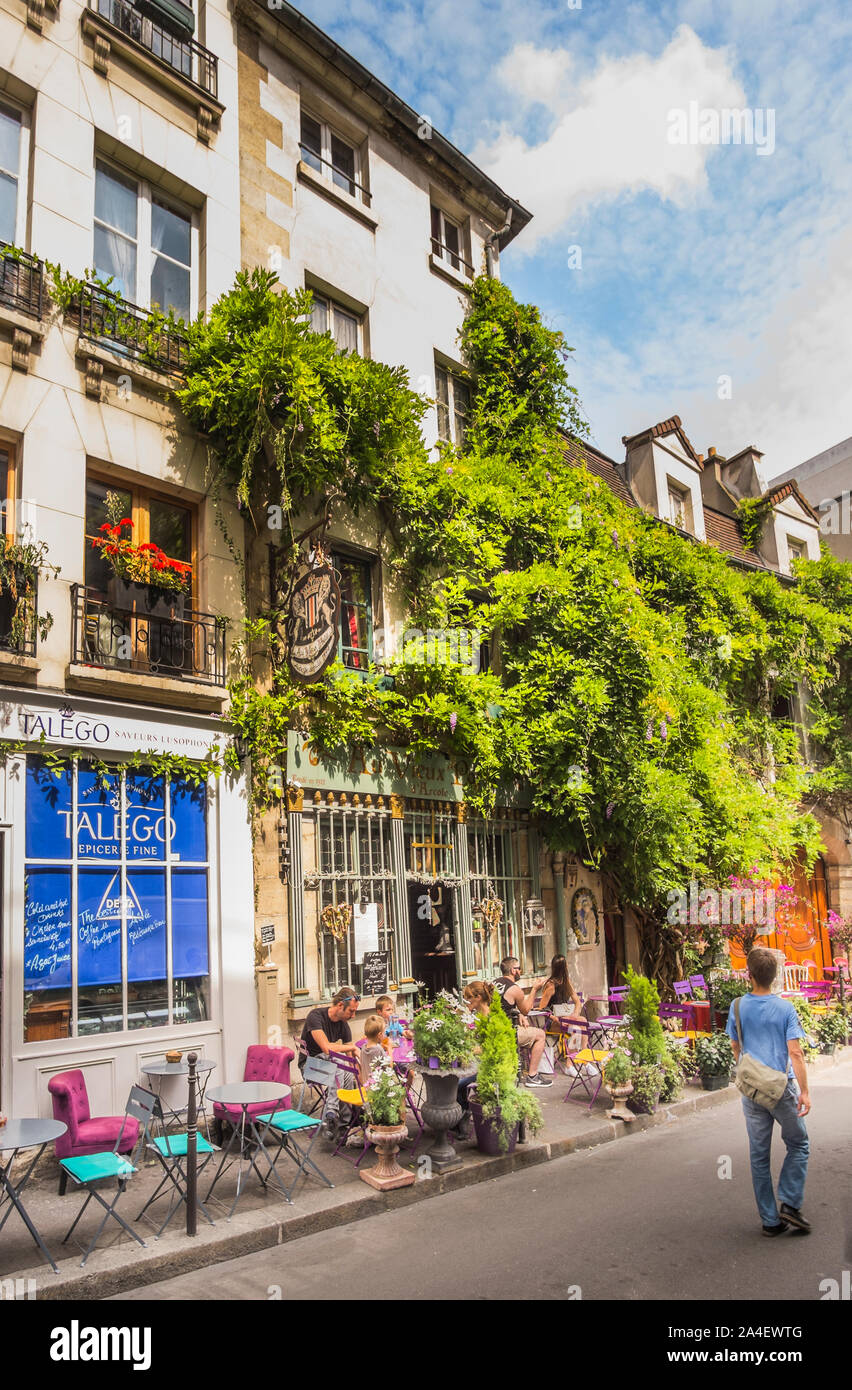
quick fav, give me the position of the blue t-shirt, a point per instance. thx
(768, 1024)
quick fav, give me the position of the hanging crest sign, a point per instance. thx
(312, 621)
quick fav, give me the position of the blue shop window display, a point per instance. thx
(116, 932)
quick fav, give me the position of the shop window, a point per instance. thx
(353, 871)
(116, 933)
(499, 867)
(356, 612)
(453, 401)
(143, 243)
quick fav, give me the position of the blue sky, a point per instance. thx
(699, 262)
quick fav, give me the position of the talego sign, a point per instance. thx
(311, 623)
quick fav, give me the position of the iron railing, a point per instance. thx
(446, 253)
(178, 643)
(19, 615)
(185, 56)
(335, 169)
(129, 330)
(21, 281)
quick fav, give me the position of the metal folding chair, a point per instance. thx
(318, 1088)
(171, 1151)
(88, 1169)
(587, 1064)
(353, 1096)
(412, 1101)
(286, 1124)
(682, 989)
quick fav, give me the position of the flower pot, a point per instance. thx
(149, 600)
(488, 1134)
(441, 1111)
(641, 1106)
(387, 1173)
(434, 1063)
(828, 1049)
(721, 1017)
(715, 1083)
(619, 1095)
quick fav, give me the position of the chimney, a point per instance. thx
(711, 452)
(740, 473)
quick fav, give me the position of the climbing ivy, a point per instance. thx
(636, 673)
(751, 514)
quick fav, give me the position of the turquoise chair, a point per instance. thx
(285, 1124)
(170, 1150)
(89, 1169)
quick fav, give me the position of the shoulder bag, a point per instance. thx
(762, 1084)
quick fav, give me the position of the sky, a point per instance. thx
(691, 275)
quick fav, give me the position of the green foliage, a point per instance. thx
(195, 772)
(648, 1045)
(20, 562)
(832, 1028)
(676, 1065)
(497, 1090)
(724, 989)
(622, 648)
(441, 1030)
(385, 1097)
(751, 514)
(648, 1081)
(810, 1023)
(715, 1055)
(617, 1070)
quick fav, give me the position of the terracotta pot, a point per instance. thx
(619, 1095)
(387, 1172)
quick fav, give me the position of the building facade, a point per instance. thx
(122, 934)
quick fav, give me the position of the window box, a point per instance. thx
(148, 599)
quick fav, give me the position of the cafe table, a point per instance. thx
(158, 1071)
(241, 1095)
(16, 1135)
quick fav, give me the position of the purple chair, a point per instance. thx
(262, 1064)
(85, 1135)
(682, 989)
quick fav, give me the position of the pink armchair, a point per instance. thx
(84, 1134)
(262, 1064)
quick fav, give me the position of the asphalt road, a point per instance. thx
(652, 1217)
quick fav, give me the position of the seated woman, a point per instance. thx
(559, 997)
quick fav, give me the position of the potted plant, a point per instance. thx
(724, 989)
(385, 1098)
(143, 577)
(20, 562)
(443, 1042)
(715, 1058)
(497, 1103)
(831, 1030)
(647, 1043)
(617, 1074)
(648, 1079)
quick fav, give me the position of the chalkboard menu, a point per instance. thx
(374, 978)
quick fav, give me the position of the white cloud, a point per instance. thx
(613, 137)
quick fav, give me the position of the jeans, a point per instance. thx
(759, 1124)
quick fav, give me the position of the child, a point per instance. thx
(395, 1029)
(375, 1049)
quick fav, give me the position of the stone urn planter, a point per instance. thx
(619, 1096)
(441, 1111)
(715, 1083)
(387, 1173)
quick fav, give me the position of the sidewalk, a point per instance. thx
(261, 1220)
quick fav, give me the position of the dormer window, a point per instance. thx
(796, 549)
(680, 506)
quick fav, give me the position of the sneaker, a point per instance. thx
(793, 1217)
(775, 1230)
(539, 1080)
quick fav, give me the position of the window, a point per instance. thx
(448, 241)
(13, 161)
(353, 849)
(499, 859)
(796, 550)
(156, 519)
(115, 932)
(332, 156)
(356, 612)
(327, 316)
(144, 243)
(453, 401)
(9, 520)
(680, 506)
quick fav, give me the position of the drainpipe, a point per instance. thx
(490, 241)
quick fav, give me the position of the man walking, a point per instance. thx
(771, 1032)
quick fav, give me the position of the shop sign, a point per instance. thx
(381, 771)
(312, 621)
(82, 728)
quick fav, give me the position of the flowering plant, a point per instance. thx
(444, 1029)
(138, 564)
(839, 931)
(385, 1096)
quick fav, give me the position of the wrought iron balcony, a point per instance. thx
(129, 330)
(158, 637)
(21, 281)
(181, 54)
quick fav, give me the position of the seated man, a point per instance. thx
(516, 1003)
(326, 1029)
